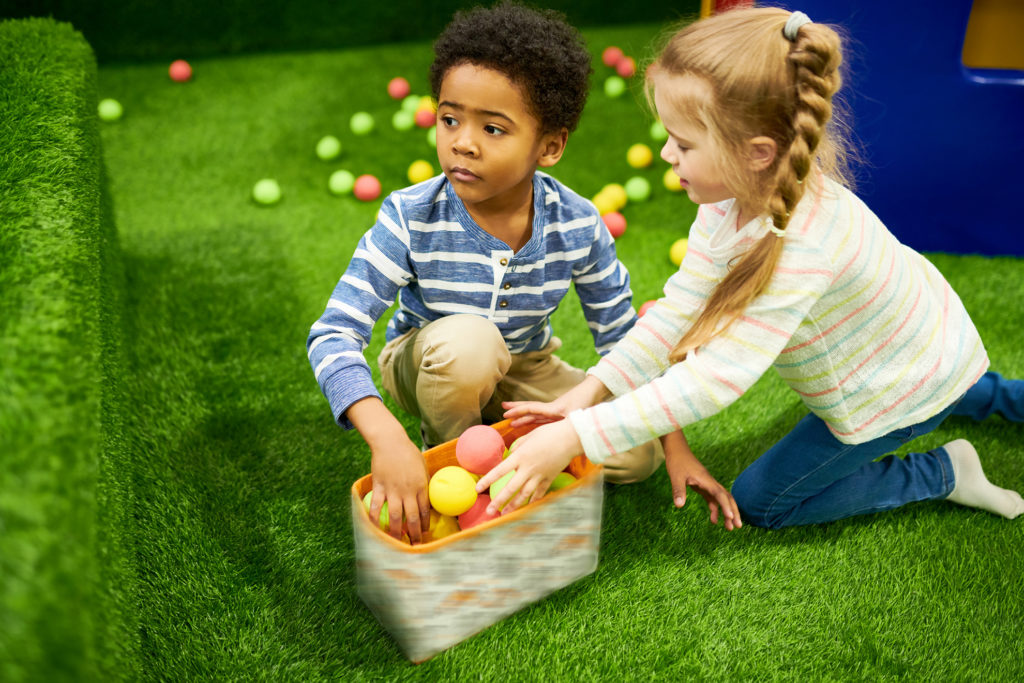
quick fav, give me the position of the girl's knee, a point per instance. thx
(754, 505)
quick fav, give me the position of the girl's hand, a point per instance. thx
(400, 478)
(537, 458)
(590, 391)
(685, 470)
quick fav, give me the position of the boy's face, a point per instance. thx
(689, 148)
(489, 143)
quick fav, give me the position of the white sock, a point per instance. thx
(972, 489)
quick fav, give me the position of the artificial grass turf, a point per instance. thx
(241, 481)
(66, 583)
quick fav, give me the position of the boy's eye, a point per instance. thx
(493, 130)
(448, 121)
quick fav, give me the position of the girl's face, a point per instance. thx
(689, 148)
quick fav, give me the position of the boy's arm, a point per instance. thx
(399, 470)
(602, 285)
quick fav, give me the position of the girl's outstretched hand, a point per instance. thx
(685, 470)
(537, 458)
(585, 394)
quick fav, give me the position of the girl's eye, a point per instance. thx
(682, 148)
(493, 130)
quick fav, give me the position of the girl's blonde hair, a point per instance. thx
(758, 83)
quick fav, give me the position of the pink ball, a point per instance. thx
(646, 307)
(626, 67)
(425, 118)
(367, 188)
(611, 56)
(615, 222)
(398, 88)
(479, 449)
(180, 71)
(477, 514)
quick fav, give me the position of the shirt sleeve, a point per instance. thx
(602, 285)
(379, 268)
(655, 397)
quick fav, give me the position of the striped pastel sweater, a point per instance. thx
(426, 251)
(864, 329)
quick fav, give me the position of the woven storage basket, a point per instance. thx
(433, 595)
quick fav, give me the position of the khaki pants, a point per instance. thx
(456, 371)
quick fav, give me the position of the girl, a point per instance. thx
(785, 267)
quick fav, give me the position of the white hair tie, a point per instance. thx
(793, 24)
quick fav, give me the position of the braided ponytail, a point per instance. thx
(737, 55)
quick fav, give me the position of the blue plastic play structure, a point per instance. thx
(943, 145)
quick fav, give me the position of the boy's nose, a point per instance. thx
(465, 144)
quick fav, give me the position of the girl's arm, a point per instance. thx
(685, 470)
(590, 391)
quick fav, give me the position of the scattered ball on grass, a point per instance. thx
(425, 118)
(398, 88)
(615, 222)
(614, 86)
(266, 192)
(109, 110)
(672, 181)
(677, 251)
(626, 67)
(341, 182)
(180, 71)
(403, 120)
(658, 132)
(411, 103)
(638, 189)
(639, 155)
(646, 307)
(329, 147)
(419, 171)
(611, 55)
(366, 188)
(432, 136)
(361, 123)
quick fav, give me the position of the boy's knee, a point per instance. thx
(466, 347)
(634, 466)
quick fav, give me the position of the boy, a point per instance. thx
(478, 258)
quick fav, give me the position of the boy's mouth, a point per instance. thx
(462, 174)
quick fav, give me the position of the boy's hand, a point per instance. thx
(537, 458)
(400, 478)
(685, 470)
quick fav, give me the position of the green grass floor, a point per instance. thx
(241, 480)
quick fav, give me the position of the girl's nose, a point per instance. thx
(666, 151)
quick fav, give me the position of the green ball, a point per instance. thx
(361, 123)
(341, 182)
(638, 189)
(432, 136)
(110, 110)
(403, 120)
(499, 484)
(328, 148)
(411, 103)
(561, 480)
(658, 132)
(614, 86)
(266, 191)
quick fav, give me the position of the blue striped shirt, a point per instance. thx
(426, 251)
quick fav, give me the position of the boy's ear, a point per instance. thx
(552, 145)
(760, 152)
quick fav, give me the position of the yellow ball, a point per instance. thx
(419, 171)
(678, 250)
(617, 194)
(427, 103)
(452, 491)
(671, 181)
(639, 156)
(605, 203)
(441, 526)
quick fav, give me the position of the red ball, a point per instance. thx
(615, 222)
(477, 514)
(646, 307)
(180, 71)
(626, 67)
(425, 118)
(398, 88)
(611, 56)
(479, 449)
(367, 188)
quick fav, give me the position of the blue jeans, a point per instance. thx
(810, 477)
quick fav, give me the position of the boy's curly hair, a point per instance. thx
(536, 48)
